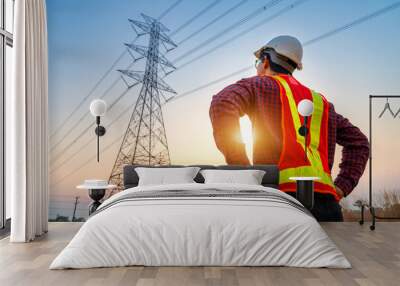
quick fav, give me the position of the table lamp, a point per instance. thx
(98, 108)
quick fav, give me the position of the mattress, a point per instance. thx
(201, 225)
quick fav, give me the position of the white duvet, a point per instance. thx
(200, 231)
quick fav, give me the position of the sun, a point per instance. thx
(246, 133)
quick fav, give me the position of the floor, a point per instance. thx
(375, 256)
(5, 231)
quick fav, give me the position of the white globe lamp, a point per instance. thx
(98, 107)
(305, 107)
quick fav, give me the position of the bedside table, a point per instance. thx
(96, 190)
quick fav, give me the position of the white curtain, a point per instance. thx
(28, 123)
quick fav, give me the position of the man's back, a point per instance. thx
(259, 98)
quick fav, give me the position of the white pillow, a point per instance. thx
(163, 176)
(248, 177)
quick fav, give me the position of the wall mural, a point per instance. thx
(157, 66)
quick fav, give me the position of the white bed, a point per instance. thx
(185, 230)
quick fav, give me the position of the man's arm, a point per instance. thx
(355, 154)
(226, 108)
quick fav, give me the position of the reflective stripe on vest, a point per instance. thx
(292, 162)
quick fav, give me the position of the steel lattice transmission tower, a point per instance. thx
(145, 141)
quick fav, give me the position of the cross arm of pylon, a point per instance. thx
(138, 77)
(166, 39)
(162, 85)
(163, 60)
(144, 27)
(143, 51)
(135, 59)
(163, 97)
(135, 75)
(150, 20)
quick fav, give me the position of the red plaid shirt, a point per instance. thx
(259, 98)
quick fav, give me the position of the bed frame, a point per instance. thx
(270, 179)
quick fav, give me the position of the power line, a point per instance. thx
(91, 91)
(250, 29)
(66, 148)
(235, 25)
(256, 12)
(219, 17)
(191, 20)
(70, 157)
(354, 23)
(305, 44)
(86, 115)
(91, 125)
(169, 9)
(210, 83)
(321, 37)
(90, 159)
(265, 7)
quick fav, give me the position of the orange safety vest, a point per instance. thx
(292, 162)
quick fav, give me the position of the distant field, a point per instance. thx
(389, 206)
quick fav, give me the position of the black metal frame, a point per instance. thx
(369, 205)
(99, 131)
(6, 39)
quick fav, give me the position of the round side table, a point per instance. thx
(96, 193)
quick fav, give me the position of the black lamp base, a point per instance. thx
(96, 195)
(305, 193)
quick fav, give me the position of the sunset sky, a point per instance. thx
(86, 37)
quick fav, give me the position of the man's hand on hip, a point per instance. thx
(339, 192)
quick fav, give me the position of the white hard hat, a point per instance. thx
(287, 46)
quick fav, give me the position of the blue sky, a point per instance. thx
(85, 38)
